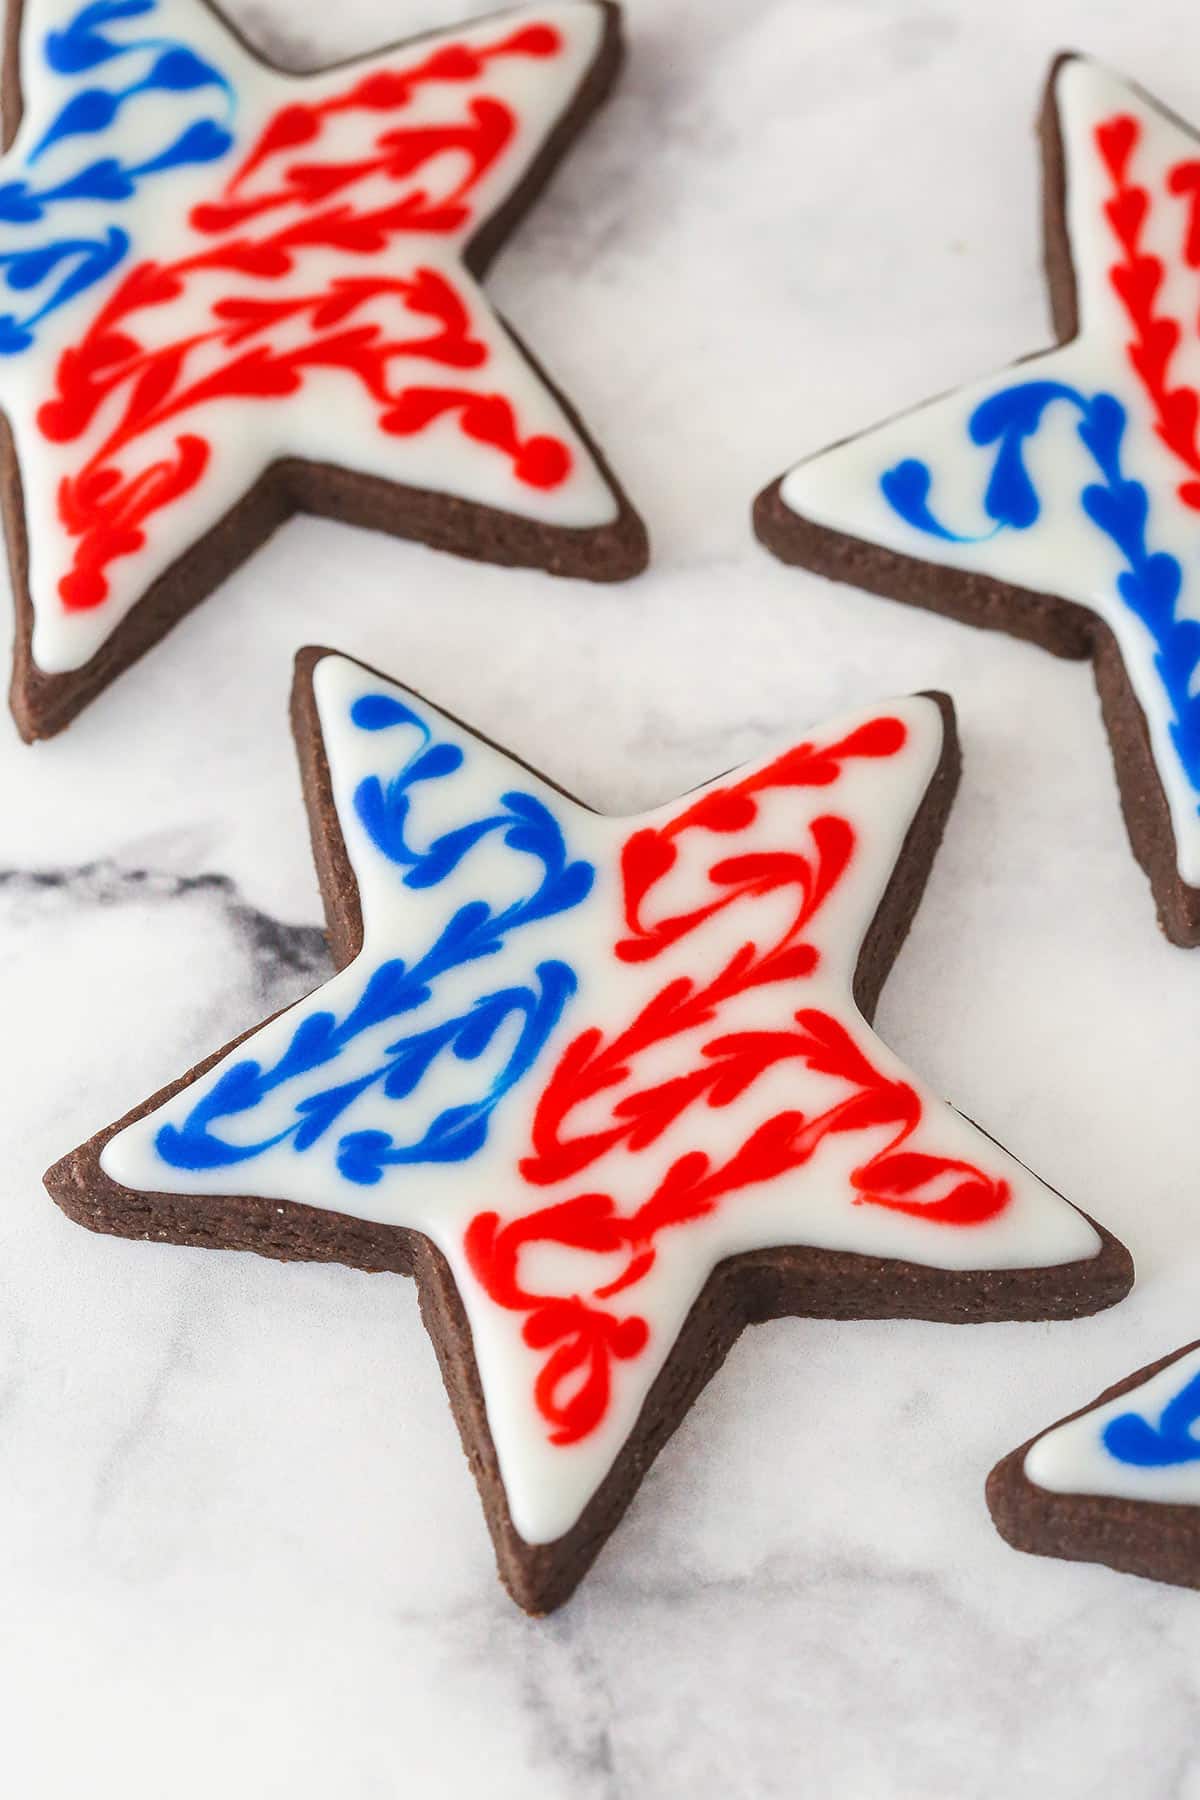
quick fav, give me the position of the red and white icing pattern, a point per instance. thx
(711, 1087)
(303, 296)
(1133, 219)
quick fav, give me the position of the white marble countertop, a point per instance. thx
(240, 1553)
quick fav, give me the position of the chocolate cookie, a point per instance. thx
(1117, 1482)
(605, 1086)
(1060, 500)
(235, 293)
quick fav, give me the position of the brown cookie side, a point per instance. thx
(897, 909)
(1158, 1540)
(1143, 799)
(1055, 624)
(742, 1290)
(1057, 259)
(43, 703)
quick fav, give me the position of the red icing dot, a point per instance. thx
(384, 89)
(629, 1337)
(533, 40)
(1115, 139)
(882, 737)
(453, 62)
(543, 462)
(82, 589)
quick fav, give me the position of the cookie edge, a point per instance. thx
(43, 703)
(1157, 1540)
(1050, 621)
(746, 1289)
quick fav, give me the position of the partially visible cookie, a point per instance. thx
(1060, 499)
(1117, 1482)
(229, 293)
(604, 1086)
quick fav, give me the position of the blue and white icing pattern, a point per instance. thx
(1053, 477)
(1145, 1445)
(386, 994)
(104, 63)
(1151, 582)
(482, 899)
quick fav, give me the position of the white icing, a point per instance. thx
(1073, 1458)
(548, 1485)
(332, 418)
(1063, 553)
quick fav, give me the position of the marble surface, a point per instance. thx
(240, 1553)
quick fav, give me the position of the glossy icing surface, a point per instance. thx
(206, 265)
(1142, 1446)
(590, 1057)
(1076, 473)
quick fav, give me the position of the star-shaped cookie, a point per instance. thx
(1060, 500)
(605, 1086)
(228, 293)
(1117, 1482)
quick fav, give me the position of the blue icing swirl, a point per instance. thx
(393, 989)
(1132, 1439)
(61, 267)
(1151, 582)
